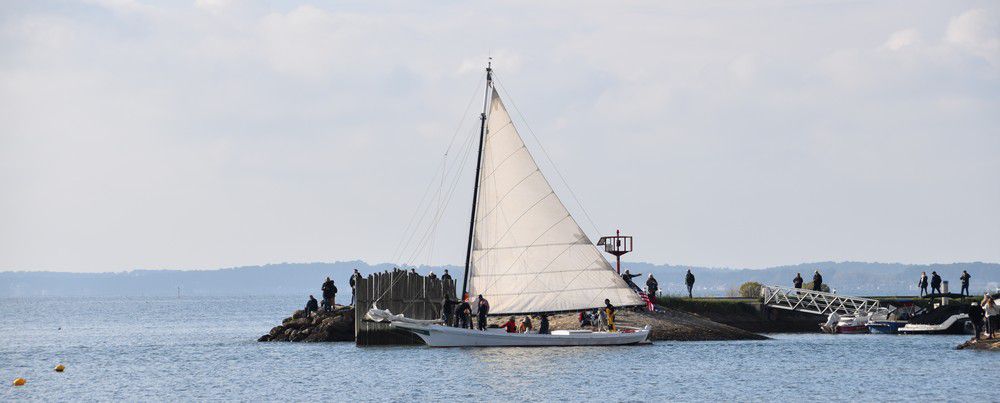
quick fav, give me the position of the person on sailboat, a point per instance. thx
(585, 319)
(689, 280)
(526, 325)
(797, 281)
(484, 309)
(543, 324)
(652, 286)
(510, 326)
(610, 312)
(601, 319)
(447, 310)
(465, 315)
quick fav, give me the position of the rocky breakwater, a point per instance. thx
(322, 326)
(981, 344)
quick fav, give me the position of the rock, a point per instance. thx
(322, 326)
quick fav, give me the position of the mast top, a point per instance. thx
(489, 70)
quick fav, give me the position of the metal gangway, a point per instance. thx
(818, 302)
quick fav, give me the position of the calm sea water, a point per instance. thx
(205, 349)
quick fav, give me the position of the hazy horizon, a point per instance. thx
(214, 133)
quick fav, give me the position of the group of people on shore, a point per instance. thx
(329, 290)
(985, 317)
(653, 286)
(817, 284)
(935, 283)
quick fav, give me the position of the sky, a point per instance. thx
(216, 133)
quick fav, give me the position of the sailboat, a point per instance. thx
(526, 254)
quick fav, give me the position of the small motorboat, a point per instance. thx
(885, 326)
(848, 324)
(949, 319)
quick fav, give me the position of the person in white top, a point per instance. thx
(992, 313)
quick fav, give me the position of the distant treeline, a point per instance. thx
(855, 278)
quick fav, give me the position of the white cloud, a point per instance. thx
(903, 39)
(978, 32)
(159, 134)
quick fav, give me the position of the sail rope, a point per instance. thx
(422, 210)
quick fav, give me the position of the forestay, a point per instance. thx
(529, 254)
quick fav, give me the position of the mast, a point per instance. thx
(475, 188)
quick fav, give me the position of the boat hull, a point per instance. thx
(955, 324)
(885, 326)
(445, 336)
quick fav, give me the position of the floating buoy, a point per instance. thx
(20, 382)
(60, 368)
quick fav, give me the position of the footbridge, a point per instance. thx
(818, 302)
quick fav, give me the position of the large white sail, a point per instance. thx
(529, 254)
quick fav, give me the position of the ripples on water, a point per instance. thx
(205, 348)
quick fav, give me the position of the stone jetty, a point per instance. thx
(322, 326)
(667, 324)
(981, 344)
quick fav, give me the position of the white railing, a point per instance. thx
(818, 302)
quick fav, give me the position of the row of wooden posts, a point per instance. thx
(399, 291)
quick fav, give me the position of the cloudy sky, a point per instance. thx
(212, 133)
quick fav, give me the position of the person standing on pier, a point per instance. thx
(797, 281)
(354, 283)
(329, 294)
(484, 309)
(652, 286)
(935, 283)
(446, 281)
(689, 280)
(965, 282)
(817, 281)
(922, 283)
(628, 276)
(992, 315)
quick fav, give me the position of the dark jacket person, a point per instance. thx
(312, 305)
(817, 281)
(652, 286)
(329, 292)
(935, 283)
(797, 281)
(689, 281)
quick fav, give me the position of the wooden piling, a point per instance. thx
(413, 295)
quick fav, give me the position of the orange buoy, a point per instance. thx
(60, 368)
(20, 382)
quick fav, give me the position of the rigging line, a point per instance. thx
(440, 213)
(427, 209)
(398, 252)
(451, 192)
(547, 156)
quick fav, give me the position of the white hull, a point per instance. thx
(445, 336)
